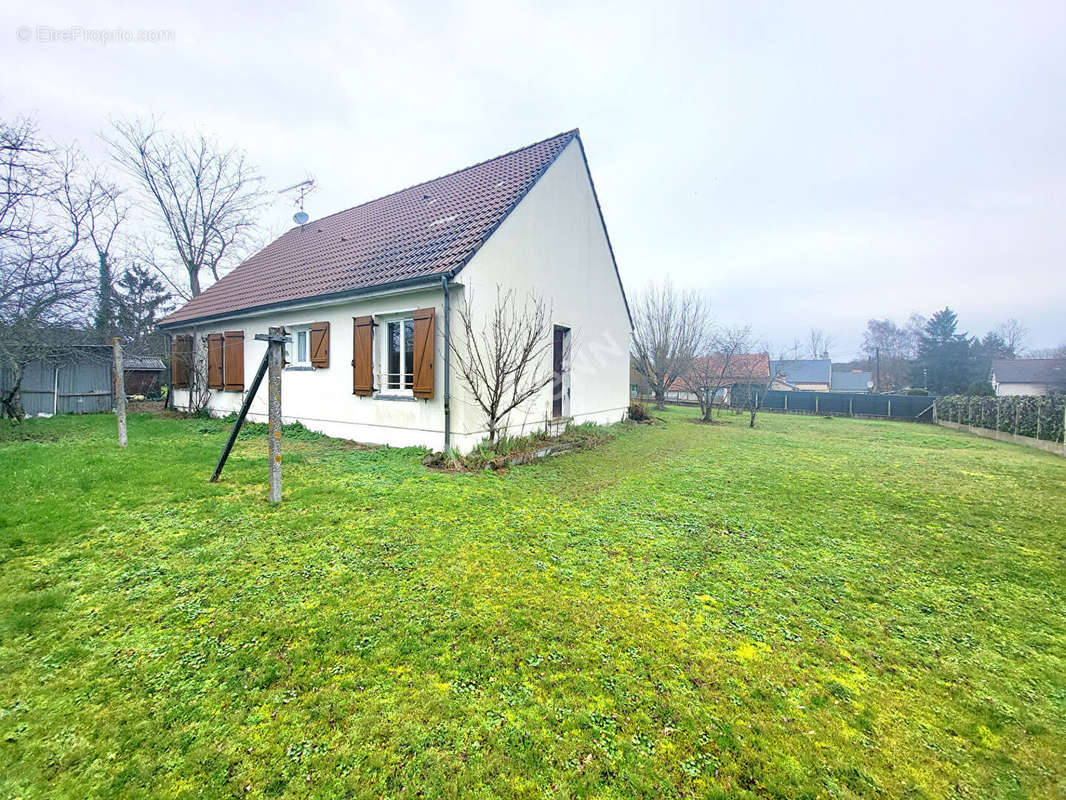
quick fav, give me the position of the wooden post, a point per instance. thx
(274, 404)
(1017, 416)
(120, 391)
(936, 415)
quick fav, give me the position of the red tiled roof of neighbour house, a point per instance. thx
(740, 367)
(428, 229)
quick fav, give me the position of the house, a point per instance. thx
(1028, 376)
(369, 298)
(733, 373)
(851, 380)
(803, 374)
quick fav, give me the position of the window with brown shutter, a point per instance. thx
(320, 345)
(363, 356)
(180, 361)
(422, 385)
(234, 361)
(214, 361)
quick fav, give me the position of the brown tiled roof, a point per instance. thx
(740, 368)
(428, 229)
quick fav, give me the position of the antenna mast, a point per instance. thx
(303, 188)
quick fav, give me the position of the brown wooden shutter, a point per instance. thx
(214, 361)
(180, 361)
(234, 361)
(320, 344)
(363, 356)
(424, 347)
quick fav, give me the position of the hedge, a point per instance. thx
(1025, 415)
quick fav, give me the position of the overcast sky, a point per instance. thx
(805, 164)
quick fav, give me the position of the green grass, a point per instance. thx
(813, 608)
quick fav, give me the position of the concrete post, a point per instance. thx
(274, 406)
(120, 391)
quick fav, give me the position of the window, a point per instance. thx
(398, 355)
(298, 349)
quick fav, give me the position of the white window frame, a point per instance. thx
(292, 348)
(382, 354)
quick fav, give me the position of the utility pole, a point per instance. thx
(276, 341)
(120, 391)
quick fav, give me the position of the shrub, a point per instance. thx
(980, 389)
(638, 412)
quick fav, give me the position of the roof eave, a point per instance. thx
(421, 281)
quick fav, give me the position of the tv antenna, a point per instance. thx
(303, 188)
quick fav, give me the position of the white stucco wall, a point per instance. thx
(322, 399)
(552, 243)
(1015, 389)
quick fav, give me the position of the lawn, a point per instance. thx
(813, 608)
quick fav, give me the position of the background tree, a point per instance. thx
(44, 276)
(708, 374)
(505, 358)
(670, 328)
(947, 360)
(888, 350)
(107, 212)
(140, 299)
(818, 343)
(204, 199)
(1014, 335)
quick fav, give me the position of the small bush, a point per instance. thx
(980, 389)
(638, 412)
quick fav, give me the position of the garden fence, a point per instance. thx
(917, 408)
(1028, 416)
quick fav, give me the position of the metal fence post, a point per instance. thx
(890, 408)
(120, 391)
(998, 405)
(1038, 416)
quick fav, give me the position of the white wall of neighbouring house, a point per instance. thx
(1016, 389)
(553, 244)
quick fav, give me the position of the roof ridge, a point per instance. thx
(570, 133)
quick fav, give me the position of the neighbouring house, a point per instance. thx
(802, 374)
(369, 298)
(852, 380)
(1028, 376)
(734, 373)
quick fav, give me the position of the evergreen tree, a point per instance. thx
(140, 299)
(947, 361)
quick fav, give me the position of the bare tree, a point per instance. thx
(818, 343)
(709, 374)
(504, 358)
(43, 271)
(107, 212)
(1014, 335)
(670, 328)
(754, 379)
(205, 198)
